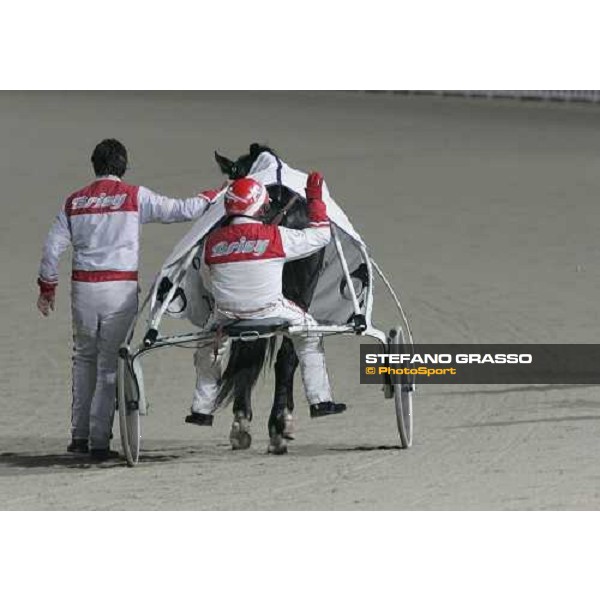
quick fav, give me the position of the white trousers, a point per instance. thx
(102, 314)
(310, 355)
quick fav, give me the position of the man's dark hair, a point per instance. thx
(109, 158)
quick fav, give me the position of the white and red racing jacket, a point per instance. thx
(243, 261)
(102, 223)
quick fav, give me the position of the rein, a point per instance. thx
(276, 220)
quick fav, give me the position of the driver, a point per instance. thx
(243, 267)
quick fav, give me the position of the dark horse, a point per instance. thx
(247, 359)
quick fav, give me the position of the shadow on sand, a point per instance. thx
(220, 452)
(73, 461)
(366, 448)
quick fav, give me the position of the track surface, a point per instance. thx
(484, 214)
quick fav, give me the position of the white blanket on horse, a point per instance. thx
(331, 302)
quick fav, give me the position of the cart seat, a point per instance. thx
(252, 328)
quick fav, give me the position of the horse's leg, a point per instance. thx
(288, 431)
(286, 372)
(240, 436)
(280, 420)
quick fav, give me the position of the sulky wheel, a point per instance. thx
(402, 391)
(129, 413)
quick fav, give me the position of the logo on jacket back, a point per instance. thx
(242, 246)
(101, 201)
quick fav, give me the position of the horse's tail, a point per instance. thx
(246, 361)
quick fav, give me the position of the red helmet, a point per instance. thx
(246, 196)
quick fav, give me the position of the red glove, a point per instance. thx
(317, 211)
(47, 296)
(314, 186)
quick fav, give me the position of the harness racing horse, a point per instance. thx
(247, 359)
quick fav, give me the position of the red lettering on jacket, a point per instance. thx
(103, 196)
(242, 242)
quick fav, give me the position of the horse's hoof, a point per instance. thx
(243, 442)
(289, 432)
(277, 445)
(240, 437)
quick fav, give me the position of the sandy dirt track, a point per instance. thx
(485, 216)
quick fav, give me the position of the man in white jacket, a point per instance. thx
(243, 267)
(102, 223)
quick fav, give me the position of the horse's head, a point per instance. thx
(291, 215)
(236, 169)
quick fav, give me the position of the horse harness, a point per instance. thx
(276, 220)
